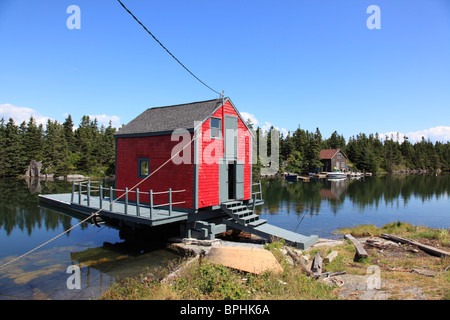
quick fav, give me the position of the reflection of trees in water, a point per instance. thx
(19, 208)
(391, 190)
(297, 197)
(306, 197)
(19, 202)
(19, 205)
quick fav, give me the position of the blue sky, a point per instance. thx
(286, 63)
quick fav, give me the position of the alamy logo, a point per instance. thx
(74, 20)
(270, 163)
(212, 149)
(374, 279)
(74, 280)
(374, 20)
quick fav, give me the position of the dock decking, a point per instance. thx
(133, 213)
(271, 232)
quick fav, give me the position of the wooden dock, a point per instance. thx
(81, 201)
(203, 225)
(271, 232)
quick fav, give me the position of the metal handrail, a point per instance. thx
(255, 193)
(111, 196)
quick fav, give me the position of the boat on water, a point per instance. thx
(291, 176)
(337, 175)
(355, 175)
(296, 177)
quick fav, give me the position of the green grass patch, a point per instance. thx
(402, 229)
(207, 281)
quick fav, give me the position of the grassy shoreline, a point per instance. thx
(204, 280)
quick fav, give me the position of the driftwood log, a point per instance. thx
(330, 257)
(360, 251)
(298, 260)
(317, 265)
(431, 250)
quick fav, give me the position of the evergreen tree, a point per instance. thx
(55, 149)
(335, 141)
(84, 138)
(294, 163)
(2, 148)
(311, 152)
(33, 141)
(106, 149)
(21, 151)
(299, 140)
(91, 150)
(69, 135)
(12, 150)
(406, 150)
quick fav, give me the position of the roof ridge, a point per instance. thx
(169, 118)
(184, 104)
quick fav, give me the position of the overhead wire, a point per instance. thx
(135, 186)
(159, 42)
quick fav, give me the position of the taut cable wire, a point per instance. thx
(166, 48)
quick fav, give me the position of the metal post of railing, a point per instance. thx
(260, 190)
(79, 192)
(170, 201)
(88, 191)
(110, 199)
(73, 191)
(100, 197)
(254, 202)
(150, 194)
(137, 202)
(126, 200)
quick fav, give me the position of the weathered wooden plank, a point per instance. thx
(360, 251)
(317, 265)
(332, 274)
(432, 250)
(330, 257)
(300, 261)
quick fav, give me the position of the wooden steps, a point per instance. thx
(243, 218)
(241, 214)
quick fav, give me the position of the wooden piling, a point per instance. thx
(100, 196)
(88, 192)
(170, 201)
(150, 197)
(111, 194)
(138, 213)
(79, 192)
(126, 201)
(73, 192)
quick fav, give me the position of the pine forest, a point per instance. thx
(89, 149)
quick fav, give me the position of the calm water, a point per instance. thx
(321, 206)
(101, 254)
(316, 207)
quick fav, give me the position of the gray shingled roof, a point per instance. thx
(169, 118)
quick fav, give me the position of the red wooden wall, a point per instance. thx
(181, 176)
(211, 150)
(158, 149)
